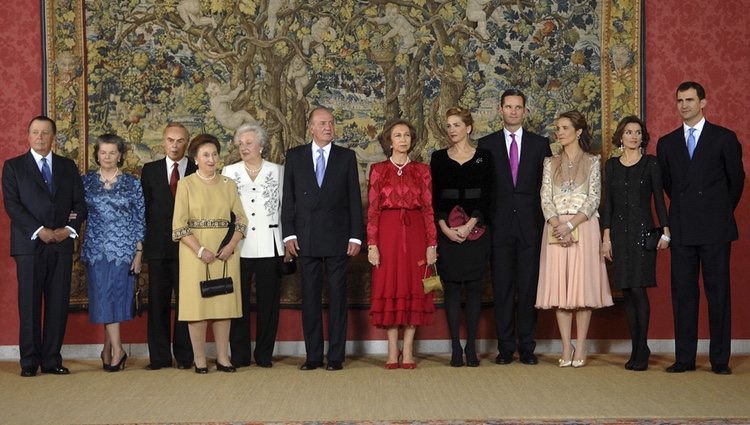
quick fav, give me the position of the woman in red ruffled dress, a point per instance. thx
(401, 241)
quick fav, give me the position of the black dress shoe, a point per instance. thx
(221, 368)
(679, 368)
(241, 364)
(332, 365)
(183, 366)
(721, 370)
(308, 365)
(59, 370)
(264, 365)
(157, 366)
(472, 362)
(504, 358)
(28, 372)
(529, 358)
(457, 362)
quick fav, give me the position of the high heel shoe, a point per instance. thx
(201, 370)
(579, 363)
(566, 363)
(641, 363)
(471, 359)
(405, 365)
(119, 365)
(229, 369)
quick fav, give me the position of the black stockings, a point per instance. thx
(452, 291)
(638, 310)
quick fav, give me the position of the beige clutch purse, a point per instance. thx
(552, 240)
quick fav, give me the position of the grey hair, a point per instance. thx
(260, 133)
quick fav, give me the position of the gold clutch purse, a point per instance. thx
(552, 240)
(431, 283)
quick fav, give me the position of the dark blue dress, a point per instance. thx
(115, 225)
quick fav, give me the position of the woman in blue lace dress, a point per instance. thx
(112, 247)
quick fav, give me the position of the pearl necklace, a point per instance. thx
(108, 182)
(253, 171)
(205, 178)
(399, 167)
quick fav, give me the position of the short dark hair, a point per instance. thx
(687, 85)
(43, 118)
(630, 119)
(385, 136)
(200, 140)
(579, 123)
(512, 92)
(110, 138)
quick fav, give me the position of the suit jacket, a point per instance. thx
(159, 209)
(704, 191)
(30, 205)
(322, 218)
(522, 201)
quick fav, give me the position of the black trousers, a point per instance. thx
(163, 280)
(515, 276)
(313, 269)
(267, 272)
(43, 298)
(687, 261)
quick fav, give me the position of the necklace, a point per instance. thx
(205, 178)
(108, 182)
(627, 161)
(569, 172)
(255, 170)
(399, 167)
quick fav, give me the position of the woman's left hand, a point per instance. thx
(136, 264)
(431, 255)
(662, 244)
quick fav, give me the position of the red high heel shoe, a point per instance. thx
(391, 366)
(405, 365)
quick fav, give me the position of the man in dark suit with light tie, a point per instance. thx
(159, 180)
(517, 220)
(322, 224)
(703, 176)
(43, 196)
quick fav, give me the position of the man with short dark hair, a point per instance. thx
(703, 176)
(516, 223)
(159, 180)
(321, 216)
(43, 195)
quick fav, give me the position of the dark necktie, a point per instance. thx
(173, 179)
(47, 174)
(513, 157)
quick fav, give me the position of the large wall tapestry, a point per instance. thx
(130, 67)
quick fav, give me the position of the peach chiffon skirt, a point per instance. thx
(576, 276)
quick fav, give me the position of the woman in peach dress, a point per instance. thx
(572, 274)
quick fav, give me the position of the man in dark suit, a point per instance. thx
(321, 218)
(159, 180)
(516, 224)
(703, 176)
(43, 196)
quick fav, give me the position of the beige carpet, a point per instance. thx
(366, 391)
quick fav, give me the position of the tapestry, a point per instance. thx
(129, 67)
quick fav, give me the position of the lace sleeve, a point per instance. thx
(591, 203)
(548, 205)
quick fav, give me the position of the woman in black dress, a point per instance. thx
(632, 180)
(461, 179)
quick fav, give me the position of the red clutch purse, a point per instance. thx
(458, 217)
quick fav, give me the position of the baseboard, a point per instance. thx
(358, 348)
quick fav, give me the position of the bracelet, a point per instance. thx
(665, 238)
(569, 224)
(372, 247)
(138, 250)
(200, 252)
(432, 246)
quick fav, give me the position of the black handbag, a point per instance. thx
(220, 286)
(650, 238)
(289, 267)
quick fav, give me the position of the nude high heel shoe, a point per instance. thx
(566, 363)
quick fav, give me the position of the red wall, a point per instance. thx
(682, 42)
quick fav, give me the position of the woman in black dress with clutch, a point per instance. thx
(632, 180)
(461, 179)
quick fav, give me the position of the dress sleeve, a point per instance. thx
(437, 186)
(657, 189)
(240, 219)
(607, 204)
(591, 203)
(548, 205)
(180, 226)
(373, 207)
(427, 211)
(139, 212)
(485, 174)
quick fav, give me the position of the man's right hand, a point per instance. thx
(292, 247)
(47, 235)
